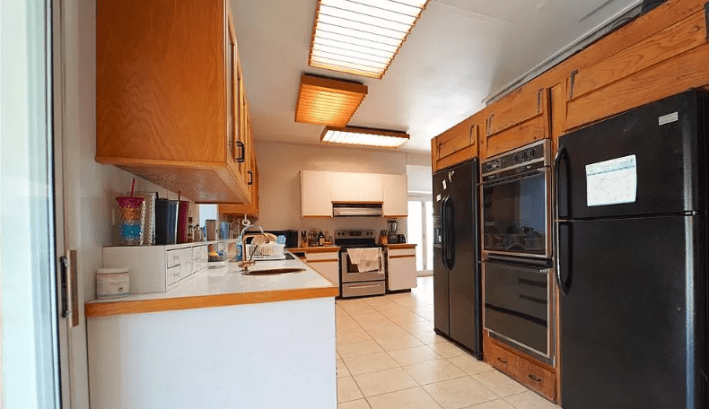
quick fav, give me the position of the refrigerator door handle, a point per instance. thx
(450, 234)
(560, 155)
(444, 233)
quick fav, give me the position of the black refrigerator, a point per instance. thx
(456, 270)
(631, 237)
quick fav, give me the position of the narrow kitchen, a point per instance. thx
(355, 204)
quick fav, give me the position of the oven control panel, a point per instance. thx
(531, 156)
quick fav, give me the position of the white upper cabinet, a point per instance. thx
(318, 190)
(315, 200)
(356, 187)
(395, 191)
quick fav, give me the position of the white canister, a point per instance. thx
(112, 282)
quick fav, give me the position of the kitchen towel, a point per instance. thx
(366, 259)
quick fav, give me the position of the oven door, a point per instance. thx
(518, 305)
(349, 272)
(516, 215)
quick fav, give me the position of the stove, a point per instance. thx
(369, 276)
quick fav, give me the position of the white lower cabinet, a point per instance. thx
(327, 264)
(401, 269)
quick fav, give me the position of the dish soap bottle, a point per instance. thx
(238, 249)
(321, 239)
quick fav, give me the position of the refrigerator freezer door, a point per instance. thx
(441, 298)
(642, 162)
(464, 278)
(460, 285)
(628, 336)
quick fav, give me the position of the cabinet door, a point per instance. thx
(517, 120)
(315, 198)
(402, 272)
(667, 61)
(236, 137)
(455, 145)
(330, 269)
(395, 192)
(356, 187)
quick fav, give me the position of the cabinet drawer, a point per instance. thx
(537, 378)
(322, 257)
(173, 258)
(401, 252)
(502, 359)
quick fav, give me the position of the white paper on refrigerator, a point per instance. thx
(611, 182)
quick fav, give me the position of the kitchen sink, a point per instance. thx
(272, 271)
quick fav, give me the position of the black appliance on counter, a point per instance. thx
(353, 281)
(290, 235)
(456, 272)
(517, 249)
(632, 266)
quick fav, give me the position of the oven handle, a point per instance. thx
(561, 154)
(513, 178)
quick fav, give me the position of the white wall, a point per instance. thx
(420, 179)
(279, 178)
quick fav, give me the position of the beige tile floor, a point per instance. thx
(389, 357)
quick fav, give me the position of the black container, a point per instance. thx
(291, 236)
(165, 221)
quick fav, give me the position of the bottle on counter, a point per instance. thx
(239, 249)
(321, 239)
(190, 230)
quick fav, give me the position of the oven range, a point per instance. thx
(362, 268)
(516, 250)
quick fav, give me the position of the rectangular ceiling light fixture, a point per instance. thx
(361, 37)
(327, 101)
(354, 135)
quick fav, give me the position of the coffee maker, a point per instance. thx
(393, 226)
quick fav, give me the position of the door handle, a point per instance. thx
(443, 233)
(450, 240)
(251, 177)
(242, 152)
(561, 155)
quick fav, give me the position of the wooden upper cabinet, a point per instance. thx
(515, 121)
(455, 145)
(166, 103)
(670, 58)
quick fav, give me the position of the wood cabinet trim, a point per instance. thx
(105, 309)
(404, 256)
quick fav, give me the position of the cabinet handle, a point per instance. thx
(534, 378)
(502, 360)
(242, 152)
(251, 177)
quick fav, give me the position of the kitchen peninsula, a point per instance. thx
(220, 339)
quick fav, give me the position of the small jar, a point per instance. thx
(112, 282)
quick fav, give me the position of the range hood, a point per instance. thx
(357, 209)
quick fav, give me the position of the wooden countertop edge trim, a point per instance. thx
(327, 260)
(105, 309)
(404, 256)
(329, 249)
(401, 246)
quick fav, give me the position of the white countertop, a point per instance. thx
(229, 279)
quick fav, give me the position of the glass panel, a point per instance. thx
(429, 234)
(415, 230)
(514, 216)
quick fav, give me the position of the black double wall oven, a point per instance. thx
(517, 249)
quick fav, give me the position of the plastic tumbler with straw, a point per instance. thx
(131, 215)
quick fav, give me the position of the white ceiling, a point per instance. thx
(460, 53)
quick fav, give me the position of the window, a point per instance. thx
(420, 230)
